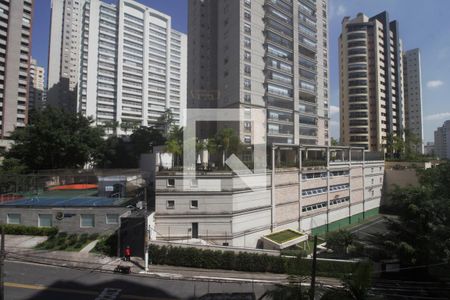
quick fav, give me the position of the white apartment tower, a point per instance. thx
(133, 65)
(371, 81)
(15, 52)
(267, 55)
(37, 92)
(413, 95)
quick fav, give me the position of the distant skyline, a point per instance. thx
(424, 24)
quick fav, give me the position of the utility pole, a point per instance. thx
(2, 265)
(146, 229)
(312, 290)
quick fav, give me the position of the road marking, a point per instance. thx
(62, 290)
(44, 288)
(109, 294)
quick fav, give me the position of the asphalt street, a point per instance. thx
(25, 281)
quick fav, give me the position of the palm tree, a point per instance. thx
(174, 144)
(228, 142)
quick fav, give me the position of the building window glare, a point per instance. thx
(45, 220)
(87, 221)
(112, 219)
(14, 219)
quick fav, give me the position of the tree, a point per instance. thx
(165, 122)
(339, 241)
(412, 142)
(421, 234)
(334, 142)
(228, 142)
(111, 125)
(56, 139)
(174, 144)
(144, 138)
(120, 152)
(129, 125)
(355, 285)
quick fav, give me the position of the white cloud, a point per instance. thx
(438, 116)
(432, 84)
(341, 10)
(334, 109)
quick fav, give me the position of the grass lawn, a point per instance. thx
(283, 236)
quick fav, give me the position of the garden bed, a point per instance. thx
(65, 242)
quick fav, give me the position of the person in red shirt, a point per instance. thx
(127, 253)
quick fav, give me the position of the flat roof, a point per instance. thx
(66, 202)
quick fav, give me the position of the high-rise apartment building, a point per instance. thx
(15, 51)
(442, 141)
(64, 53)
(37, 92)
(132, 64)
(413, 95)
(265, 55)
(371, 81)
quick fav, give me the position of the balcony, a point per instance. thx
(279, 4)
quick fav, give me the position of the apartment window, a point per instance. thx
(248, 3)
(87, 221)
(247, 28)
(170, 182)
(112, 219)
(194, 204)
(14, 219)
(45, 220)
(247, 70)
(247, 139)
(247, 84)
(170, 204)
(247, 15)
(247, 42)
(247, 56)
(247, 98)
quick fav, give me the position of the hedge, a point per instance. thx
(243, 261)
(29, 230)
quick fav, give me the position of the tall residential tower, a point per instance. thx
(371, 81)
(15, 52)
(37, 91)
(413, 96)
(265, 55)
(132, 64)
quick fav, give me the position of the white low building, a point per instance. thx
(329, 189)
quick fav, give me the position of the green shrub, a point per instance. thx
(248, 262)
(107, 245)
(93, 237)
(29, 230)
(72, 239)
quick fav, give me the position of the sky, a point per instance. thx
(424, 24)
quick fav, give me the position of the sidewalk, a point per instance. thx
(22, 249)
(100, 263)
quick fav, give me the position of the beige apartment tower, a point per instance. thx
(266, 55)
(37, 93)
(413, 96)
(371, 81)
(15, 47)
